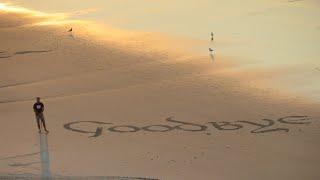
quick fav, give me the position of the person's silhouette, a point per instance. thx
(38, 108)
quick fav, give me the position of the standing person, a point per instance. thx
(38, 108)
(211, 36)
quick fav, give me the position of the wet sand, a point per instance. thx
(142, 106)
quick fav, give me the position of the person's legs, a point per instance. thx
(38, 122)
(43, 122)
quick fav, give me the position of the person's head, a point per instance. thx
(38, 99)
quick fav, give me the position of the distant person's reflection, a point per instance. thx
(211, 54)
(212, 57)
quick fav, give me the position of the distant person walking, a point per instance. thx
(38, 108)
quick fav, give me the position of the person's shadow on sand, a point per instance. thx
(44, 156)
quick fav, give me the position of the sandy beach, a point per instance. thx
(140, 105)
